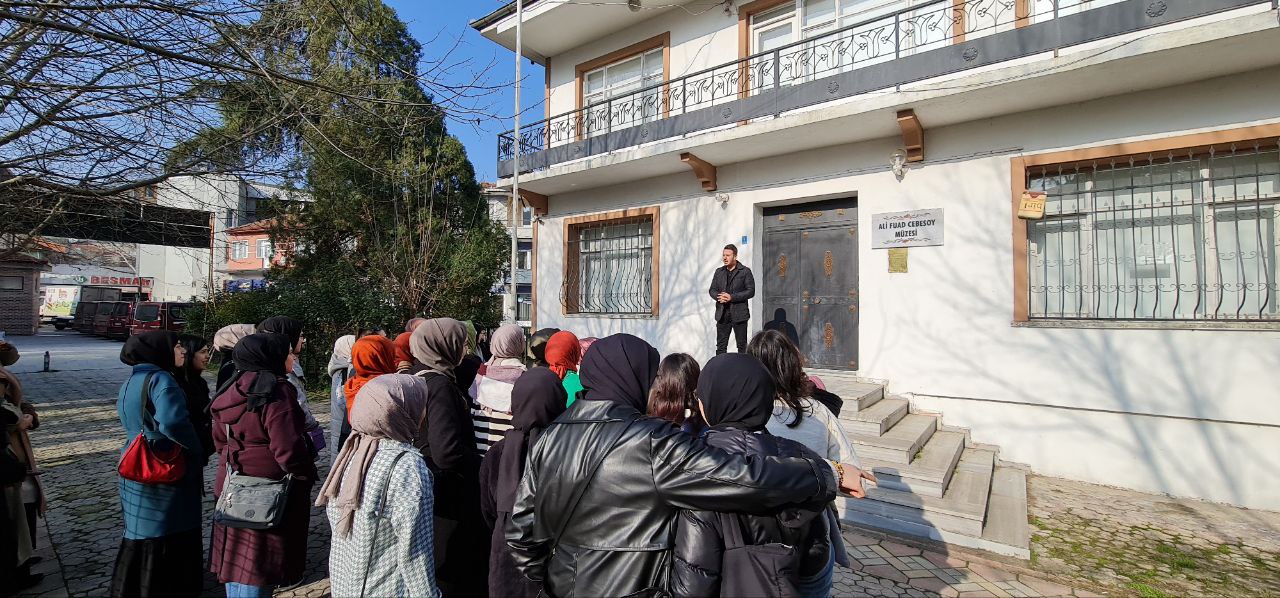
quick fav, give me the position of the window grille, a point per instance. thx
(610, 267)
(1188, 235)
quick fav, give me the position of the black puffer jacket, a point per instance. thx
(793, 544)
(617, 541)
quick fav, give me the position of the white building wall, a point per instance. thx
(1186, 412)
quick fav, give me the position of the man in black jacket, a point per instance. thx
(732, 286)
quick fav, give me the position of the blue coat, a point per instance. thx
(155, 510)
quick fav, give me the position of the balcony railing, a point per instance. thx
(879, 52)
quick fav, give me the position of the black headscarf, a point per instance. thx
(736, 392)
(283, 325)
(154, 347)
(538, 346)
(264, 353)
(537, 398)
(619, 368)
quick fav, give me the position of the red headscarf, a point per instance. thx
(403, 354)
(563, 353)
(371, 356)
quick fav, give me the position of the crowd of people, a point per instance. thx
(467, 463)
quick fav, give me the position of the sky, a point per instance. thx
(442, 26)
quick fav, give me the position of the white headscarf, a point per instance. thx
(340, 360)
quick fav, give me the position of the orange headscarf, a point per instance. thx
(403, 354)
(563, 353)
(371, 356)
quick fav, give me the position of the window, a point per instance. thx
(610, 265)
(524, 307)
(1178, 236)
(147, 312)
(526, 216)
(240, 250)
(11, 283)
(619, 81)
(264, 248)
(524, 259)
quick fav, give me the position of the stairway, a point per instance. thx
(934, 482)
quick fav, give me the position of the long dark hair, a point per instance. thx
(193, 344)
(785, 364)
(672, 391)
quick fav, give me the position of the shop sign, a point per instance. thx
(916, 228)
(121, 281)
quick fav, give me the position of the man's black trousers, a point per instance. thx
(722, 336)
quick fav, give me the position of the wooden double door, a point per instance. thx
(811, 279)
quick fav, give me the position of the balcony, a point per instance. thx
(887, 53)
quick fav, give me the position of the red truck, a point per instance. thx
(112, 319)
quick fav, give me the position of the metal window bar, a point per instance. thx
(909, 30)
(610, 267)
(1179, 236)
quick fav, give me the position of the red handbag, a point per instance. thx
(146, 465)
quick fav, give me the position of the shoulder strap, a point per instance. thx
(145, 402)
(732, 531)
(591, 474)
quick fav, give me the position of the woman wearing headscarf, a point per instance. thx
(292, 329)
(735, 395)
(448, 444)
(21, 499)
(371, 356)
(190, 377)
(564, 353)
(537, 399)
(224, 340)
(404, 355)
(339, 371)
(537, 353)
(161, 552)
(379, 496)
(260, 431)
(491, 391)
(595, 510)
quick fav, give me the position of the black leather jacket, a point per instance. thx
(800, 535)
(617, 542)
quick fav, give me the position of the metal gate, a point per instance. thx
(811, 279)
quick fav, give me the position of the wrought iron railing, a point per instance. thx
(876, 39)
(1187, 235)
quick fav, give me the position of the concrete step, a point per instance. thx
(927, 475)
(856, 393)
(962, 509)
(877, 418)
(898, 444)
(1006, 522)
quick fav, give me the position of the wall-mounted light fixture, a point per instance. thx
(723, 198)
(898, 163)
(633, 5)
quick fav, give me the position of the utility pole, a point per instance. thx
(515, 177)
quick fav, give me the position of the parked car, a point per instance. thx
(158, 315)
(86, 311)
(113, 321)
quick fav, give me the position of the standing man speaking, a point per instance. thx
(732, 286)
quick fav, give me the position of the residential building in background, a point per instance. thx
(1048, 224)
(250, 253)
(500, 212)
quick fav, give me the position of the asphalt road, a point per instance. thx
(68, 351)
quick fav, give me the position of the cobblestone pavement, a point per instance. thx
(1128, 542)
(79, 440)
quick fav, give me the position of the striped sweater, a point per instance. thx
(491, 401)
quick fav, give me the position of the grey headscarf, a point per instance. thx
(438, 344)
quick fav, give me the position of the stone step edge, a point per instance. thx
(915, 470)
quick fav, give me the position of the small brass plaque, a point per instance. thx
(897, 260)
(1032, 205)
